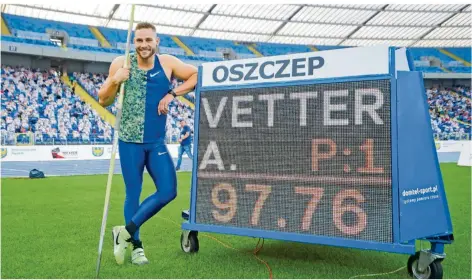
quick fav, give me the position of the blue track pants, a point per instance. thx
(159, 164)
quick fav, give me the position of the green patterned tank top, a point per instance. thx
(140, 122)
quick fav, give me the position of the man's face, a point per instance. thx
(146, 42)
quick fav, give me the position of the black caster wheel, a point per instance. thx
(433, 271)
(190, 245)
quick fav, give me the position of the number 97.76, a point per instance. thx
(342, 203)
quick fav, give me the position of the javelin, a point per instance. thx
(114, 147)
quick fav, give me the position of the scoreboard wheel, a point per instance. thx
(189, 242)
(433, 271)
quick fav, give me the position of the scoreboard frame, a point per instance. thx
(407, 95)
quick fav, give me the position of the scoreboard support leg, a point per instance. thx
(425, 264)
(419, 170)
(428, 263)
(189, 238)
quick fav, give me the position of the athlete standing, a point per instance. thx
(142, 131)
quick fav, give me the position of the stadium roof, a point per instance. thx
(344, 25)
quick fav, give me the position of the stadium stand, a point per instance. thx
(450, 113)
(212, 47)
(268, 49)
(92, 83)
(20, 25)
(177, 109)
(34, 31)
(37, 106)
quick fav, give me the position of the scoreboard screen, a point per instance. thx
(307, 159)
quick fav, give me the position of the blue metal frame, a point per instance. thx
(394, 147)
(304, 238)
(196, 134)
(438, 169)
(302, 82)
(410, 60)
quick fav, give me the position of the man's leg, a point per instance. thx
(132, 160)
(179, 158)
(161, 169)
(188, 150)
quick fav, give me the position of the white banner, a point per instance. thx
(450, 146)
(72, 152)
(294, 67)
(465, 159)
(24, 153)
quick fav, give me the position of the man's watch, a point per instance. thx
(172, 92)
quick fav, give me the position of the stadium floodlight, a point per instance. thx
(114, 147)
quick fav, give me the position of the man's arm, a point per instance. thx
(188, 73)
(183, 71)
(117, 74)
(186, 135)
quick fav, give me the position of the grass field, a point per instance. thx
(51, 228)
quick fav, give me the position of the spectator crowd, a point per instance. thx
(38, 107)
(450, 112)
(37, 103)
(177, 109)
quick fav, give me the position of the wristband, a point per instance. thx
(172, 92)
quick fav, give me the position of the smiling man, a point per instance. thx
(142, 132)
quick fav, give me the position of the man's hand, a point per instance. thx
(121, 75)
(116, 75)
(164, 104)
(180, 140)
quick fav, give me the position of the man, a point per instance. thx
(142, 132)
(185, 141)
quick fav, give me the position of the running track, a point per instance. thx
(91, 167)
(69, 167)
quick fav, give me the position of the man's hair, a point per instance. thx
(145, 25)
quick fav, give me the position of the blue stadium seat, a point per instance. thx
(41, 25)
(27, 41)
(460, 69)
(269, 49)
(417, 53)
(429, 69)
(119, 36)
(204, 44)
(464, 53)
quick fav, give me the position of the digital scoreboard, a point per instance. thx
(307, 159)
(310, 147)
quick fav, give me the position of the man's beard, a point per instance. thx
(152, 51)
